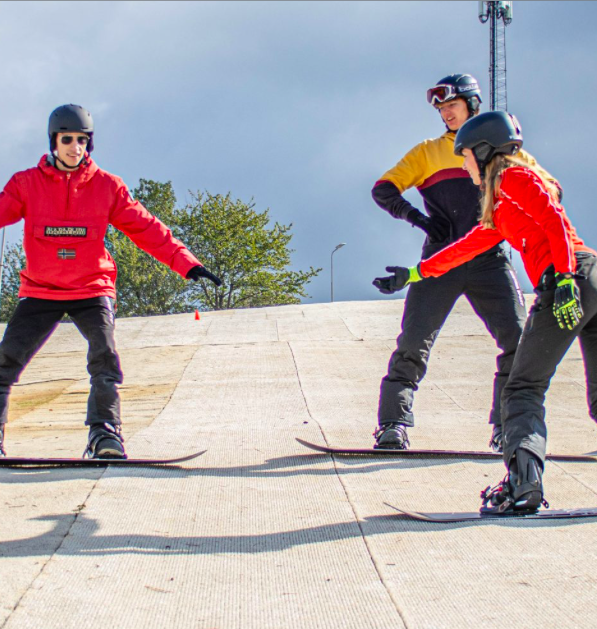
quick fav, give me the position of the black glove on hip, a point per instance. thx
(200, 271)
(437, 228)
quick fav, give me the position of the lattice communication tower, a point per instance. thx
(499, 15)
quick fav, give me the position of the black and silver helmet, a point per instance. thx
(70, 118)
(488, 134)
(456, 86)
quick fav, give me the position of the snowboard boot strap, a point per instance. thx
(496, 499)
(105, 442)
(391, 437)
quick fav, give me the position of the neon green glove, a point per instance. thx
(566, 302)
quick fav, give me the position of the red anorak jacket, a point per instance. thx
(66, 216)
(529, 219)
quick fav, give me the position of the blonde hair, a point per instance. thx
(490, 187)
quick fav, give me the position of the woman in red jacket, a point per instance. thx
(67, 203)
(522, 207)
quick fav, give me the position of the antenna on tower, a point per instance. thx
(499, 15)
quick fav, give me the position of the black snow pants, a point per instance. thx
(31, 326)
(542, 346)
(490, 284)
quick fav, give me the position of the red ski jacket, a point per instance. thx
(529, 219)
(66, 217)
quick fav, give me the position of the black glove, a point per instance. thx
(200, 271)
(402, 277)
(437, 228)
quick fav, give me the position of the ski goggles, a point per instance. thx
(82, 140)
(441, 93)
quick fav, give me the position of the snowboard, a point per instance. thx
(13, 461)
(456, 454)
(545, 514)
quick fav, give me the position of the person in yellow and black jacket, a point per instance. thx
(489, 281)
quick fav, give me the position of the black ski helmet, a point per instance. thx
(489, 134)
(70, 118)
(456, 86)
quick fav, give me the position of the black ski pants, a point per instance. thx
(542, 347)
(489, 283)
(31, 326)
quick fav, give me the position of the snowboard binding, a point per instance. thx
(521, 491)
(105, 442)
(391, 437)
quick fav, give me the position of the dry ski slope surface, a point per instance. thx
(261, 532)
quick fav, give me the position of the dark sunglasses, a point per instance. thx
(83, 140)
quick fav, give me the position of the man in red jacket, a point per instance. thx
(67, 203)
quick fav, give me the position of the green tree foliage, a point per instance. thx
(14, 261)
(233, 241)
(228, 236)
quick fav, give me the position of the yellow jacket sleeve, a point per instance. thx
(410, 171)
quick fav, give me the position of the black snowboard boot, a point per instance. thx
(521, 490)
(496, 442)
(105, 442)
(2, 450)
(391, 437)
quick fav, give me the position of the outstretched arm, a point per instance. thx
(478, 240)
(150, 234)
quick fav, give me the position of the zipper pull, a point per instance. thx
(524, 244)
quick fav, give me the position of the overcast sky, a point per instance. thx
(298, 105)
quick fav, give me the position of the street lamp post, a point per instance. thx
(332, 265)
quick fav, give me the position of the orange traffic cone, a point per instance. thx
(197, 317)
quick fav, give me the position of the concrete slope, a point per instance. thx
(261, 532)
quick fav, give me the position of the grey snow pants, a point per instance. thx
(490, 284)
